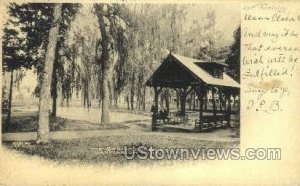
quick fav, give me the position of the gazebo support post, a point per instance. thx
(220, 99)
(201, 108)
(228, 95)
(225, 105)
(154, 116)
(200, 94)
(182, 100)
(239, 101)
(205, 102)
(201, 113)
(183, 94)
(214, 104)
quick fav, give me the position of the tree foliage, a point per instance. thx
(114, 55)
(233, 59)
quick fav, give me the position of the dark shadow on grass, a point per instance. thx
(185, 130)
(109, 149)
(28, 122)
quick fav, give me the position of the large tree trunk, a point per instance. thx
(105, 58)
(54, 81)
(105, 99)
(111, 94)
(45, 94)
(54, 92)
(10, 97)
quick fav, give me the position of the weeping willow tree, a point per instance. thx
(113, 22)
(105, 69)
(157, 28)
(69, 12)
(96, 56)
(203, 40)
(80, 68)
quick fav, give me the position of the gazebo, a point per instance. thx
(185, 74)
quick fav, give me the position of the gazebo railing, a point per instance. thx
(212, 121)
(178, 117)
(171, 118)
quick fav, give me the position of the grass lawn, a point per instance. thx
(109, 144)
(107, 149)
(27, 122)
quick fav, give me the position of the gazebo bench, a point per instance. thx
(172, 118)
(175, 117)
(211, 121)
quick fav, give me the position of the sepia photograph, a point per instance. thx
(120, 83)
(139, 92)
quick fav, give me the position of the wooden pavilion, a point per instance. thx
(185, 74)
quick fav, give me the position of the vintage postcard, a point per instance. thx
(131, 92)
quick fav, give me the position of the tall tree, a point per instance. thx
(105, 59)
(13, 58)
(202, 39)
(68, 14)
(19, 41)
(34, 22)
(43, 125)
(157, 28)
(233, 59)
(112, 23)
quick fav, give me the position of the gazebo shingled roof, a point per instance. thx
(188, 65)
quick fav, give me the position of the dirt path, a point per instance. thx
(222, 135)
(139, 125)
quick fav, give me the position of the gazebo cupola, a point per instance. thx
(215, 69)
